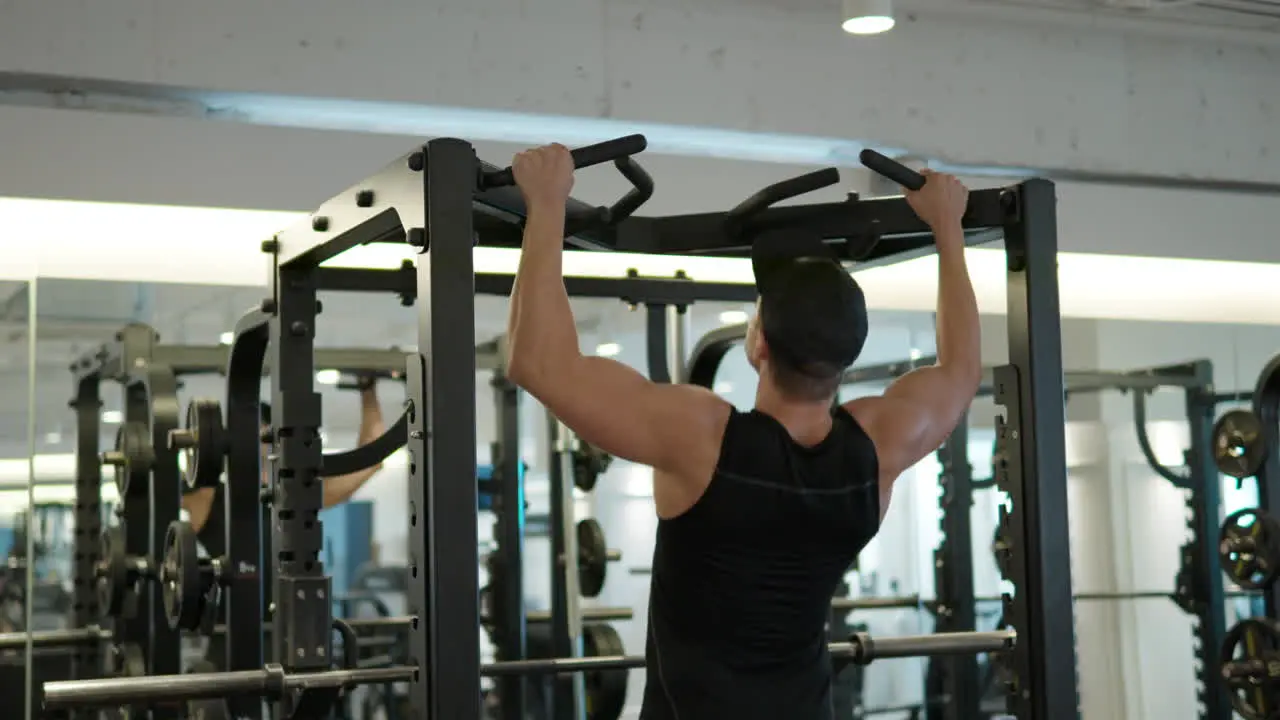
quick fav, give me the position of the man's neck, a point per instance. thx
(807, 422)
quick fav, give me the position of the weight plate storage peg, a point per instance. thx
(589, 463)
(1238, 445)
(1250, 662)
(606, 690)
(593, 557)
(112, 572)
(180, 577)
(132, 457)
(203, 442)
(1249, 548)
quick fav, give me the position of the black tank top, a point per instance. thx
(742, 581)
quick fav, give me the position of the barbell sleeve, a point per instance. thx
(54, 638)
(556, 666)
(878, 603)
(864, 649)
(108, 692)
(271, 682)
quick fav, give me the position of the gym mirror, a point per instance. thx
(21, 558)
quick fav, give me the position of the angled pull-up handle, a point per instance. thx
(736, 220)
(366, 456)
(582, 157)
(640, 192)
(891, 169)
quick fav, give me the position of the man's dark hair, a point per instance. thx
(813, 381)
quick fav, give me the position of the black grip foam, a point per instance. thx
(609, 150)
(892, 169)
(587, 156)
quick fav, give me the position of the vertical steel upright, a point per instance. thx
(443, 554)
(243, 517)
(1266, 404)
(953, 574)
(1030, 388)
(88, 528)
(1200, 583)
(301, 632)
(153, 392)
(508, 610)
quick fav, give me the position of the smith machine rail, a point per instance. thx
(442, 201)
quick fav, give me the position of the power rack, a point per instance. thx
(441, 200)
(150, 373)
(1198, 586)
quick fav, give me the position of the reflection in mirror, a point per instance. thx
(23, 571)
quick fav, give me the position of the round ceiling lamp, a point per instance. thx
(867, 17)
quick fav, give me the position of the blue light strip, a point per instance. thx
(402, 118)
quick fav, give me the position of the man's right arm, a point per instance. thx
(919, 410)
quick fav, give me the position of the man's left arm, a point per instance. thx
(605, 402)
(340, 488)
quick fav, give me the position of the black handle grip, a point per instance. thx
(582, 157)
(892, 169)
(737, 218)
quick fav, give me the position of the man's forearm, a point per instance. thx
(540, 330)
(958, 334)
(371, 423)
(339, 489)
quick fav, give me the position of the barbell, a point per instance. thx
(273, 682)
(78, 637)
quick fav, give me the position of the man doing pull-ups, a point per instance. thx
(760, 512)
(199, 502)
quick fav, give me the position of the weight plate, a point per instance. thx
(1249, 548)
(1250, 661)
(589, 463)
(1238, 445)
(593, 557)
(606, 689)
(180, 577)
(112, 572)
(133, 444)
(206, 446)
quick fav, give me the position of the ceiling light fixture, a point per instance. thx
(867, 17)
(608, 349)
(733, 317)
(226, 338)
(328, 377)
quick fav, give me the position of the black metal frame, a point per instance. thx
(149, 373)
(1199, 586)
(150, 387)
(438, 199)
(507, 607)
